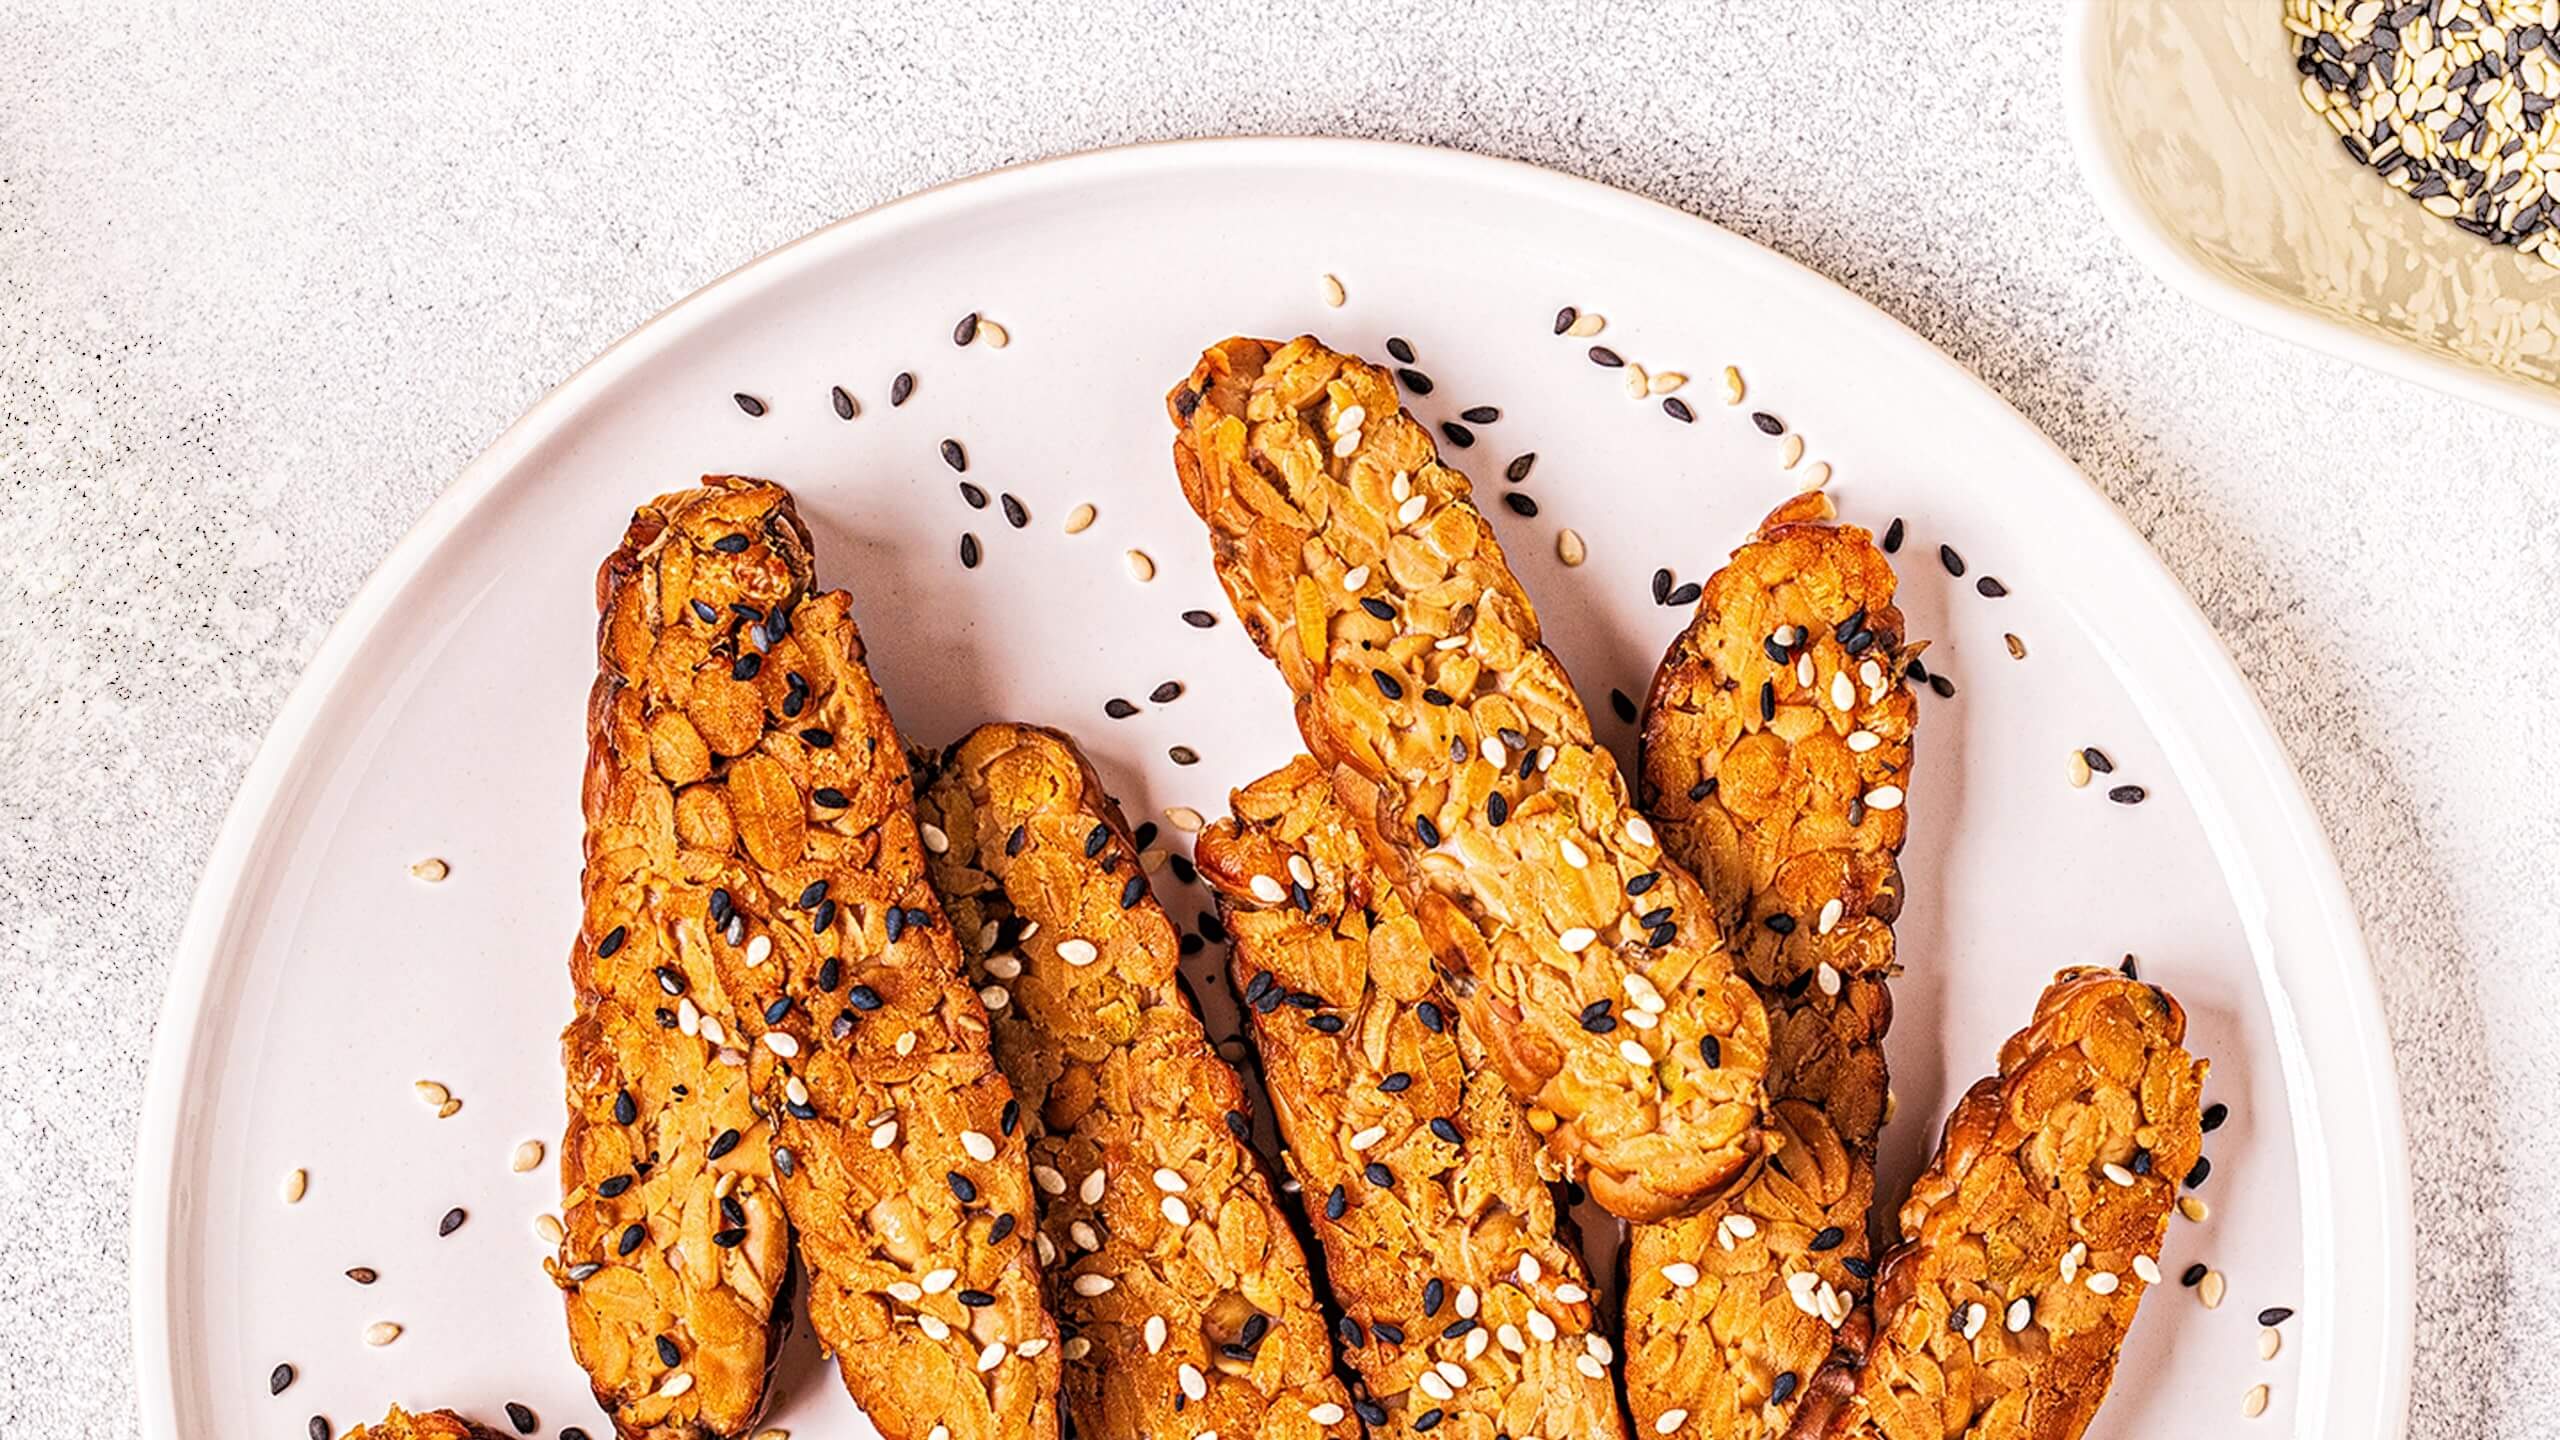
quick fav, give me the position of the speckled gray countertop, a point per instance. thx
(270, 275)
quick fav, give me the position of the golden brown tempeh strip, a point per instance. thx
(1186, 1303)
(1464, 1315)
(1776, 744)
(427, 1425)
(770, 996)
(1359, 565)
(2032, 1236)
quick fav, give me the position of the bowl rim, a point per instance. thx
(2169, 256)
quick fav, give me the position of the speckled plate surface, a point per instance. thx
(319, 980)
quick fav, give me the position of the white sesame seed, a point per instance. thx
(781, 1043)
(795, 1090)
(993, 335)
(1363, 1139)
(884, 1134)
(1142, 568)
(1571, 852)
(1091, 1285)
(1048, 1179)
(1175, 1211)
(1790, 450)
(1590, 1367)
(1540, 1327)
(2071, 1258)
(1079, 519)
(1411, 510)
(1333, 292)
(381, 1332)
(2146, 1269)
(1345, 443)
(432, 1093)
(2116, 1174)
(759, 950)
(1844, 696)
(1974, 1316)
(1450, 642)
(2194, 1208)
(1529, 1269)
(547, 1229)
(2254, 1403)
(1267, 890)
(1635, 1054)
(1577, 939)
(1571, 1293)
(1635, 382)
(2269, 1342)
(1078, 952)
(1804, 670)
(1090, 1189)
(1325, 1413)
(1509, 1336)
(714, 1031)
(934, 838)
(1641, 993)
(981, 1147)
(938, 1280)
(1084, 1236)
(1670, 1420)
(1862, 741)
(1184, 819)
(1732, 386)
(1301, 871)
(1681, 1274)
(995, 997)
(431, 870)
(1195, 1386)
(298, 1181)
(905, 1290)
(1477, 1340)
(1170, 1181)
(1430, 1383)
(1571, 548)
(1885, 797)
(1468, 1302)
(992, 1356)
(1830, 916)
(2077, 770)
(676, 1384)
(1493, 752)
(1744, 1227)
(1663, 382)
(1638, 830)
(1030, 1347)
(1597, 1346)
(1350, 417)
(1400, 488)
(1828, 978)
(2102, 1282)
(1005, 966)
(1076, 1348)
(1818, 476)
(2021, 1310)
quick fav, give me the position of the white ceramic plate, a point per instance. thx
(317, 980)
(2191, 131)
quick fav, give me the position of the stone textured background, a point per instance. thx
(269, 275)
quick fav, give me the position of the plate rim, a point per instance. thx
(2279, 822)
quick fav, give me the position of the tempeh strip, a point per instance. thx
(1757, 776)
(1464, 1315)
(2035, 1231)
(1187, 1306)
(757, 908)
(426, 1425)
(1359, 565)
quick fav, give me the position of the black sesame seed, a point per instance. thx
(1565, 318)
(1198, 619)
(611, 943)
(613, 1186)
(1954, 562)
(1009, 1117)
(976, 497)
(1702, 789)
(823, 739)
(962, 1186)
(2098, 760)
(811, 894)
(901, 388)
(1118, 709)
(863, 997)
(1661, 936)
(894, 924)
(1326, 1024)
(318, 1427)
(278, 1378)
(1496, 809)
(1237, 1124)
(1396, 1083)
(2275, 1315)
(1434, 695)
(2202, 1172)
(974, 1299)
(1414, 380)
(730, 1238)
(966, 330)
(1678, 409)
(1858, 1268)
(1446, 1129)
(667, 1351)
(723, 1143)
(1388, 1331)
(2193, 1275)
(968, 551)
(1684, 597)
(1518, 469)
(958, 459)
(703, 612)
(625, 1110)
(632, 1235)
(1459, 435)
(1429, 1419)
(1942, 687)
(1782, 1387)
(1826, 1238)
(1430, 1016)
(1433, 1293)
(1768, 701)
(843, 402)
(522, 1417)
(1095, 839)
(1378, 1175)
(1712, 1051)
(730, 544)
(1480, 414)
(573, 1433)
(1769, 424)
(2214, 1115)
(1661, 584)
(1133, 892)
(2141, 1164)
(1254, 1329)
(1369, 1411)
(1182, 755)
(1893, 536)
(748, 403)
(1989, 587)
(1429, 832)
(2128, 794)
(819, 923)
(746, 666)
(1606, 358)
(1378, 609)
(1401, 348)
(1780, 923)
(1335, 1204)
(1519, 504)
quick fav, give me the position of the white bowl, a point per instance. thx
(2189, 124)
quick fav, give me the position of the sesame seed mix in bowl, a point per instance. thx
(2450, 101)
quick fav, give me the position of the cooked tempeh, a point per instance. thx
(1186, 1303)
(2033, 1234)
(431, 1425)
(1359, 565)
(1757, 775)
(770, 998)
(1464, 1315)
